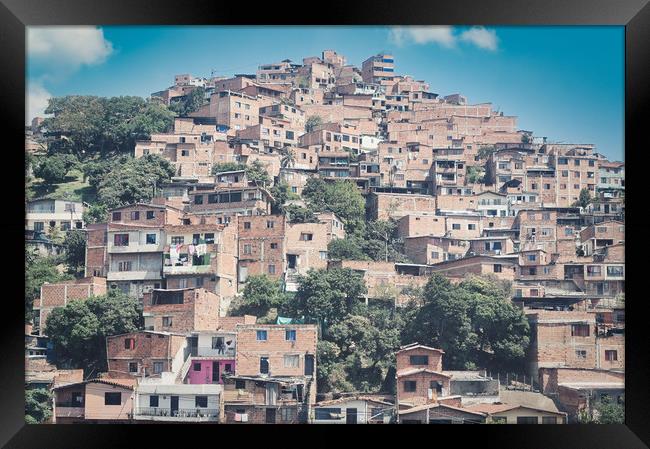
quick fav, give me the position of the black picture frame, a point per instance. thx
(15, 15)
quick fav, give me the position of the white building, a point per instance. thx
(43, 214)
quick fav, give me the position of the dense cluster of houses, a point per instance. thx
(469, 193)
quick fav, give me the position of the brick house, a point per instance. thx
(420, 379)
(262, 246)
(181, 310)
(59, 294)
(145, 353)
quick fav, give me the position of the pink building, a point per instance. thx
(212, 354)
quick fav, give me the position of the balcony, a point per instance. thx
(186, 269)
(69, 410)
(138, 275)
(184, 415)
(200, 351)
(134, 247)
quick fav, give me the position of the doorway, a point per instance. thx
(173, 407)
(215, 372)
(309, 364)
(270, 416)
(292, 261)
(350, 415)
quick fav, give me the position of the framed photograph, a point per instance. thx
(408, 213)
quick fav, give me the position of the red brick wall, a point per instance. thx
(249, 350)
(146, 351)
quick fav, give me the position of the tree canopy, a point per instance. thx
(189, 103)
(75, 250)
(79, 330)
(39, 270)
(134, 180)
(312, 122)
(38, 405)
(261, 294)
(473, 322)
(341, 197)
(90, 125)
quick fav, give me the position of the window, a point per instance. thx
(153, 401)
(532, 271)
(247, 225)
(287, 414)
(129, 343)
(527, 420)
(327, 413)
(435, 255)
(240, 384)
(410, 386)
(113, 398)
(518, 293)
(455, 226)
(262, 335)
(270, 224)
(177, 240)
(306, 236)
(499, 419)
(271, 269)
(264, 365)
(576, 162)
(534, 292)
(198, 199)
(121, 239)
(290, 335)
(579, 330)
(419, 359)
(565, 173)
(124, 266)
(135, 215)
(615, 271)
(157, 367)
(532, 257)
(611, 355)
(471, 227)
(151, 239)
(581, 354)
(39, 226)
(247, 248)
(593, 270)
(167, 321)
(65, 225)
(196, 367)
(201, 401)
(133, 367)
(209, 238)
(549, 419)
(497, 268)
(292, 361)
(151, 214)
(117, 216)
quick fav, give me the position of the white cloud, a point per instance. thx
(443, 35)
(37, 100)
(76, 46)
(481, 37)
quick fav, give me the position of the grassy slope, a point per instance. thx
(73, 189)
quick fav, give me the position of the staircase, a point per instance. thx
(291, 280)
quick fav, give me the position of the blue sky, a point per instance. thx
(565, 83)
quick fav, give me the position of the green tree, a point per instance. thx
(189, 103)
(39, 270)
(346, 249)
(257, 173)
(75, 250)
(610, 412)
(485, 151)
(281, 193)
(227, 166)
(38, 405)
(79, 330)
(583, 199)
(341, 197)
(475, 174)
(261, 294)
(96, 213)
(51, 169)
(312, 122)
(327, 296)
(299, 214)
(288, 157)
(473, 322)
(134, 181)
(90, 125)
